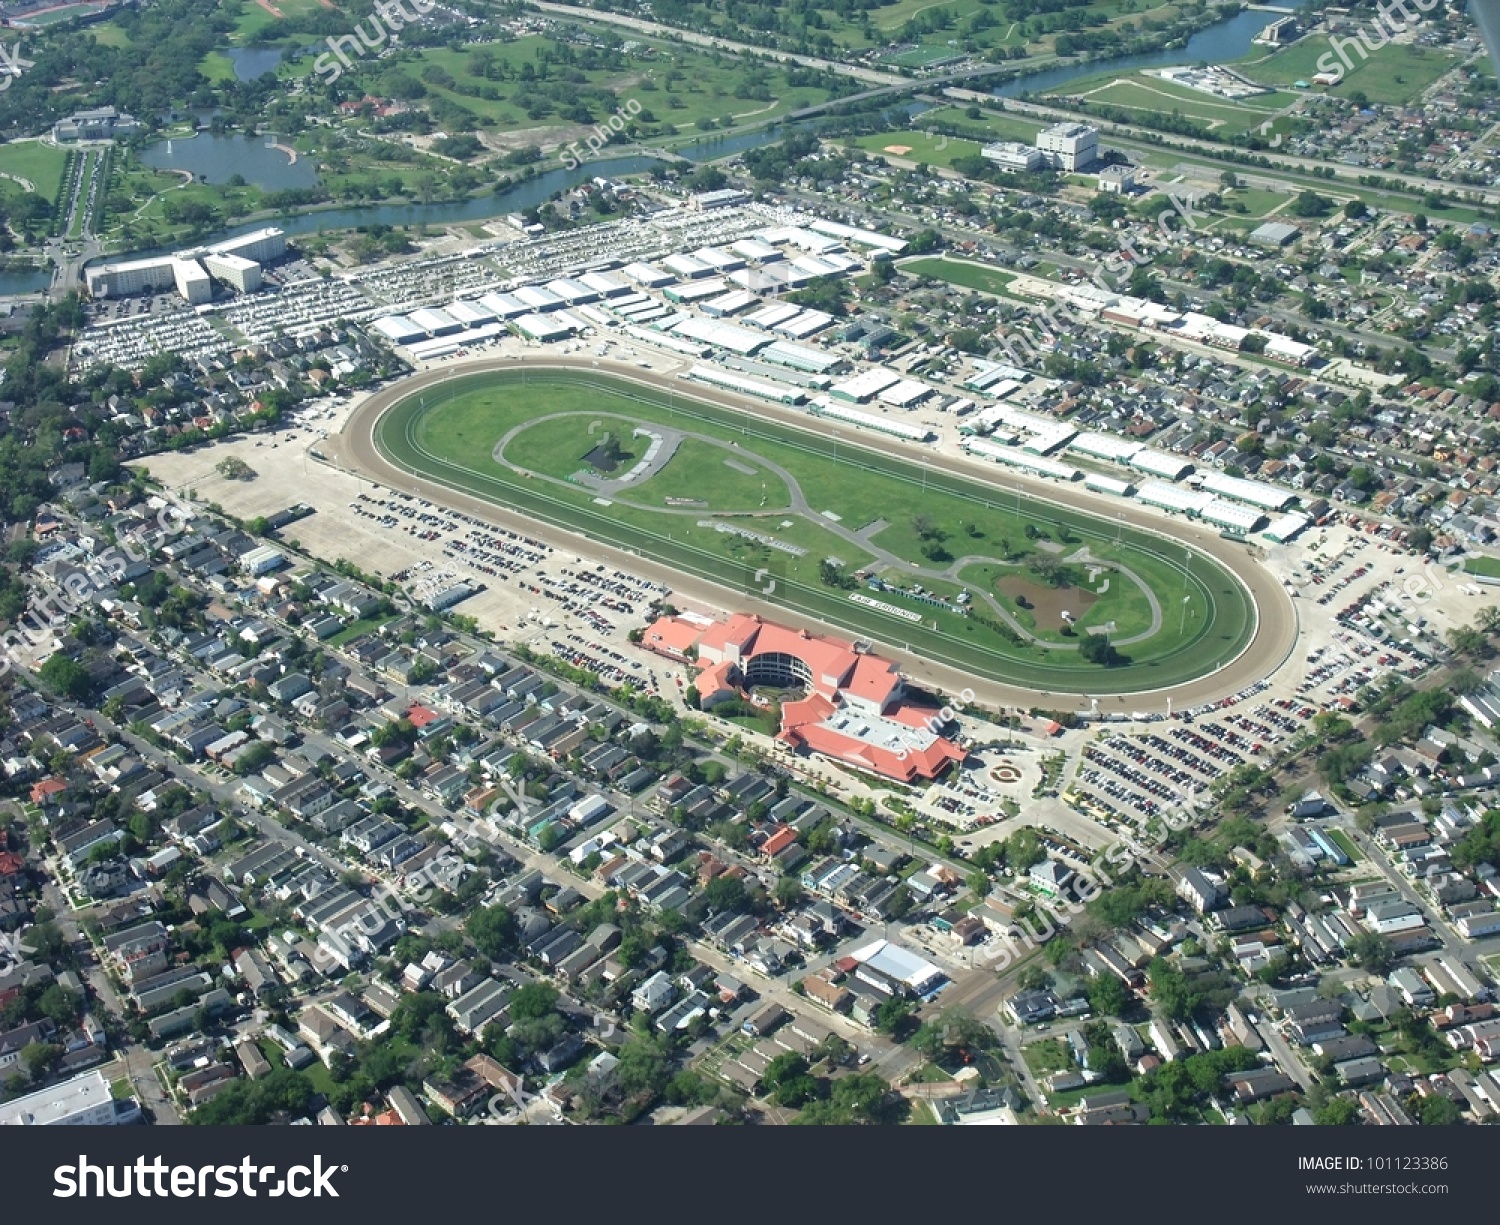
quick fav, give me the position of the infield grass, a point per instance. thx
(862, 508)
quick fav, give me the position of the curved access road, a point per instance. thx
(353, 449)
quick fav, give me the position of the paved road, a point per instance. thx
(1285, 1055)
(944, 83)
(354, 450)
(132, 1060)
(1282, 161)
(642, 26)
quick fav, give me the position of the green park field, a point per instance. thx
(790, 515)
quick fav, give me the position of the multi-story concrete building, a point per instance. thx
(1013, 155)
(84, 1101)
(1069, 146)
(234, 270)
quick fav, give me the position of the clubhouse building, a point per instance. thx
(854, 707)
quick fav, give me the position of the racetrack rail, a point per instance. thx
(1274, 635)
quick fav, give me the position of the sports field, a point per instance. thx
(964, 273)
(760, 507)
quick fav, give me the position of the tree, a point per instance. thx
(1170, 990)
(1310, 204)
(1097, 649)
(1033, 978)
(1437, 1111)
(862, 1099)
(493, 931)
(725, 893)
(1337, 1112)
(1465, 640)
(1372, 952)
(1108, 996)
(66, 676)
(533, 1002)
(894, 1016)
(40, 1058)
(232, 468)
(786, 1066)
(797, 1091)
(788, 892)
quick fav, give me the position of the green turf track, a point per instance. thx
(1208, 642)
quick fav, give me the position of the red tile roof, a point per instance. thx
(778, 841)
(838, 672)
(48, 786)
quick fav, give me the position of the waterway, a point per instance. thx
(252, 62)
(216, 157)
(219, 156)
(1220, 43)
(24, 282)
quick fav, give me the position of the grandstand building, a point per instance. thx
(854, 708)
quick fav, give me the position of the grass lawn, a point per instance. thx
(108, 34)
(1342, 841)
(1257, 201)
(252, 18)
(1486, 567)
(923, 147)
(1393, 74)
(453, 439)
(703, 470)
(764, 722)
(991, 125)
(217, 67)
(1167, 159)
(40, 164)
(1048, 1056)
(921, 1115)
(316, 1072)
(358, 630)
(1140, 91)
(679, 86)
(962, 272)
(57, 15)
(121, 1089)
